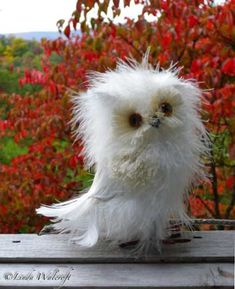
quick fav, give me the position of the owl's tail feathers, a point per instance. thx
(76, 217)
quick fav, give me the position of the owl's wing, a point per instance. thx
(81, 216)
(103, 188)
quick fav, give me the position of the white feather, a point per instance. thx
(143, 175)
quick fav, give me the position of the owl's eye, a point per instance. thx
(166, 108)
(135, 120)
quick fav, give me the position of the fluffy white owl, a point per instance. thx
(142, 132)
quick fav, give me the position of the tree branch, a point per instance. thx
(205, 205)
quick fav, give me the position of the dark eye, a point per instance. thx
(166, 108)
(135, 120)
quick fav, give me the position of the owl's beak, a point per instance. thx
(155, 121)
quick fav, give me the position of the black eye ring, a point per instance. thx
(135, 120)
(166, 108)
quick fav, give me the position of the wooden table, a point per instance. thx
(194, 260)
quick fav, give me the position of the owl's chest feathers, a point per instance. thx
(135, 168)
(148, 167)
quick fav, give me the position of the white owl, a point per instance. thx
(142, 132)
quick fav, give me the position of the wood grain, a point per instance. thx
(219, 275)
(213, 246)
(195, 260)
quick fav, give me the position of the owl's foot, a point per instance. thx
(175, 230)
(129, 244)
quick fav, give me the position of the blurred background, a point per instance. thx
(46, 48)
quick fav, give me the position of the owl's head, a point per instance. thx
(135, 111)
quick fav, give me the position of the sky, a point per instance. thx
(33, 15)
(41, 15)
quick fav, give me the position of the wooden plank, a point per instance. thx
(219, 275)
(212, 246)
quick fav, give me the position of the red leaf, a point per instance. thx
(230, 182)
(116, 3)
(164, 5)
(73, 162)
(67, 31)
(192, 20)
(127, 3)
(78, 5)
(228, 67)
(166, 40)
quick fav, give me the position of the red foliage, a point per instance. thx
(228, 67)
(196, 36)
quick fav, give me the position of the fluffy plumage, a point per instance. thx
(142, 131)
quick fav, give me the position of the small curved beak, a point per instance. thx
(155, 121)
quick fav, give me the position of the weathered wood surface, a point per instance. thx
(50, 261)
(213, 246)
(116, 276)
